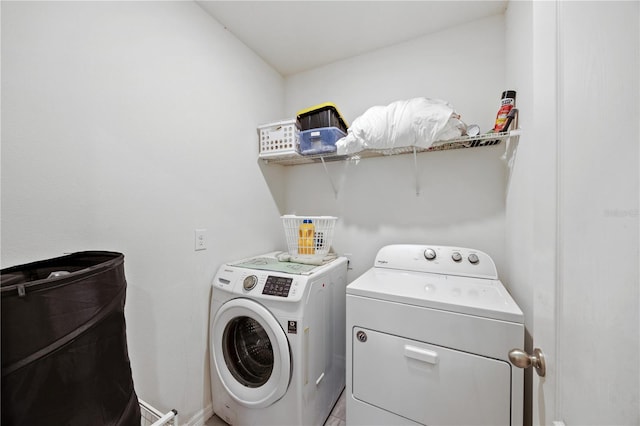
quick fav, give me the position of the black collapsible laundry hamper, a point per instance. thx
(64, 343)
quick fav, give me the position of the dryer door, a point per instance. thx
(251, 353)
(432, 385)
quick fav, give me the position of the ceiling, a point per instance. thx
(294, 36)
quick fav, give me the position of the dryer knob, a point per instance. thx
(250, 282)
(456, 256)
(473, 258)
(429, 254)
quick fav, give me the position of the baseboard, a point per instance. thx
(200, 417)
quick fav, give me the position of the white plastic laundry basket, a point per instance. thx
(279, 138)
(322, 238)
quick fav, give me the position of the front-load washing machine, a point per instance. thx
(429, 330)
(277, 341)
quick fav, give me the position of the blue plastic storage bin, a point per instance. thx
(320, 141)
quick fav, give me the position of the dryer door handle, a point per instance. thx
(420, 354)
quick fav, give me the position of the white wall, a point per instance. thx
(520, 206)
(519, 200)
(125, 126)
(462, 192)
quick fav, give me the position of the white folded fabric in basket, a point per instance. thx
(415, 122)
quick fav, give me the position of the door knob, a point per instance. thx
(521, 359)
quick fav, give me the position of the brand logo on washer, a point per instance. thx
(293, 327)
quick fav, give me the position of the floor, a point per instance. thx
(336, 418)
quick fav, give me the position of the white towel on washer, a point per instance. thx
(307, 260)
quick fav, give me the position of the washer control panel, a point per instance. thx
(260, 284)
(277, 286)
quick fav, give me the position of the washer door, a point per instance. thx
(251, 353)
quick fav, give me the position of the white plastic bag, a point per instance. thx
(415, 122)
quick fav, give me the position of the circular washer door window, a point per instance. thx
(251, 353)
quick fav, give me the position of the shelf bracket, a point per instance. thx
(333, 185)
(415, 167)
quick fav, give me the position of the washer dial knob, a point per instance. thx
(429, 254)
(250, 282)
(473, 258)
(456, 256)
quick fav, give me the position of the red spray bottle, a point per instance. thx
(507, 103)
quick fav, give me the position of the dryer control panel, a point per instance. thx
(443, 260)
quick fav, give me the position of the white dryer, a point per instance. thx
(429, 330)
(277, 341)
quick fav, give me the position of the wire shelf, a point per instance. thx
(489, 139)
